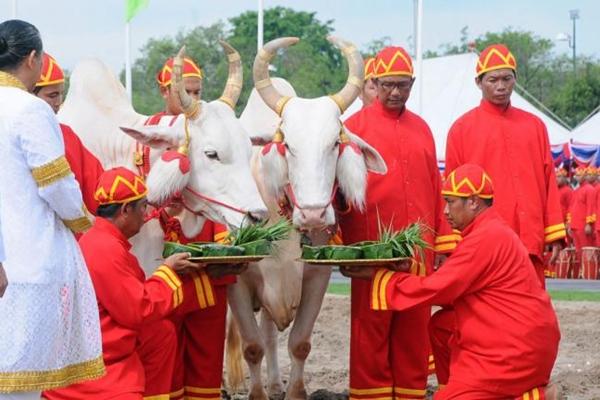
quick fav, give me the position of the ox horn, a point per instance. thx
(235, 80)
(356, 73)
(262, 80)
(190, 106)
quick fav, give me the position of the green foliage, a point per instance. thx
(314, 67)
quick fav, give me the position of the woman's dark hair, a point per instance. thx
(17, 40)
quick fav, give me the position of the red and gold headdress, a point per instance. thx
(468, 180)
(369, 68)
(495, 56)
(580, 171)
(190, 69)
(119, 185)
(392, 61)
(52, 73)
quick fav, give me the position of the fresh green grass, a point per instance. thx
(339, 288)
(560, 295)
(574, 295)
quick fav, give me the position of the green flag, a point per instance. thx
(132, 7)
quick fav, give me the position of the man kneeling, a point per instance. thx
(139, 343)
(506, 337)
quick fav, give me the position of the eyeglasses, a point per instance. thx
(402, 85)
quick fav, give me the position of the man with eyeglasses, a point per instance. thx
(512, 146)
(389, 350)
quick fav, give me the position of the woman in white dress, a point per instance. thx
(49, 329)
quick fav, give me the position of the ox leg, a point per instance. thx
(314, 286)
(240, 302)
(269, 334)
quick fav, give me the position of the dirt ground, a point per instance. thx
(577, 369)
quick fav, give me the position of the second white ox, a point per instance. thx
(218, 185)
(309, 155)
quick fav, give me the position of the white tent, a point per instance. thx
(449, 91)
(588, 132)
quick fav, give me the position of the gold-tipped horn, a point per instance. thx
(235, 80)
(262, 81)
(356, 74)
(190, 106)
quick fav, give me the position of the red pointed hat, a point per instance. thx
(392, 61)
(119, 185)
(52, 73)
(468, 180)
(190, 69)
(369, 68)
(495, 56)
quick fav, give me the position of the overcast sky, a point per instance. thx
(74, 29)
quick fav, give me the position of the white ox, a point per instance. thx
(310, 155)
(219, 185)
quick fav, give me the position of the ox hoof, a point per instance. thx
(258, 394)
(296, 392)
(276, 391)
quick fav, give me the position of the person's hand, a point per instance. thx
(216, 271)
(439, 260)
(3, 280)
(359, 272)
(179, 263)
(401, 266)
(556, 248)
(588, 230)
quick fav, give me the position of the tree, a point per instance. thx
(314, 67)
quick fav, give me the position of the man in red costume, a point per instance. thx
(201, 331)
(86, 168)
(583, 210)
(512, 146)
(369, 89)
(597, 224)
(139, 342)
(507, 331)
(565, 192)
(386, 358)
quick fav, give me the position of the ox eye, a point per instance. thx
(211, 154)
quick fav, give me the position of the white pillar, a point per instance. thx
(419, 52)
(128, 60)
(259, 41)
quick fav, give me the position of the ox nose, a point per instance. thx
(313, 217)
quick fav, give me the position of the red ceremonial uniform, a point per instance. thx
(597, 224)
(512, 146)
(583, 212)
(507, 333)
(565, 193)
(85, 166)
(139, 344)
(201, 330)
(386, 358)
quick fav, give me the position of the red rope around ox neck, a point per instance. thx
(210, 200)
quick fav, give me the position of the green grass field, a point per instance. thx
(563, 295)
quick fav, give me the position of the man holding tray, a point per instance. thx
(386, 358)
(138, 339)
(506, 337)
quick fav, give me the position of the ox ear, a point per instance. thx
(375, 163)
(155, 136)
(352, 166)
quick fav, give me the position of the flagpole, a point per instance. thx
(14, 9)
(128, 61)
(259, 40)
(419, 51)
